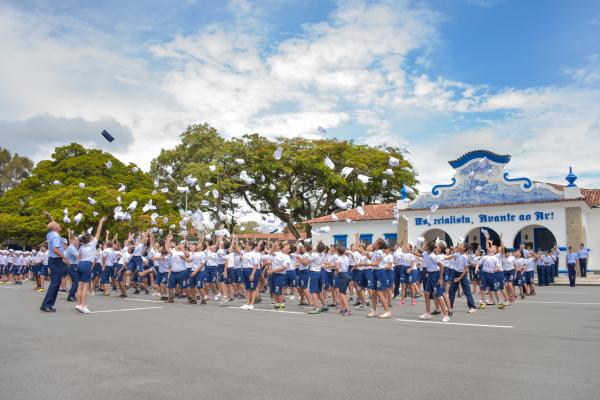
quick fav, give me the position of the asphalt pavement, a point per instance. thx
(546, 347)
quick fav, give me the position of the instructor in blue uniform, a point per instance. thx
(57, 263)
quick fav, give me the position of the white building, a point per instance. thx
(483, 195)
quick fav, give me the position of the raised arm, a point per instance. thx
(47, 215)
(99, 229)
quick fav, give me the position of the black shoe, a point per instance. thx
(452, 313)
(258, 300)
(63, 290)
(137, 291)
(48, 309)
(435, 312)
(70, 299)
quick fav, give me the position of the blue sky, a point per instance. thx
(441, 77)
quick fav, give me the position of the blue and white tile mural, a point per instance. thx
(481, 179)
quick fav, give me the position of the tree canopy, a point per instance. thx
(54, 185)
(13, 169)
(294, 187)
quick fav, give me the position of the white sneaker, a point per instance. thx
(292, 297)
(471, 310)
(78, 308)
(85, 310)
(446, 318)
(224, 300)
(426, 317)
(217, 297)
(386, 315)
(245, 307)
(251, 307)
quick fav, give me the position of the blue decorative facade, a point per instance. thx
(481, 179)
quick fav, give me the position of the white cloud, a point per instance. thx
(352, 69)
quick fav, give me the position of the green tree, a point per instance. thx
(55, 185)
(13, 169)
(309, 186)
(295, 188)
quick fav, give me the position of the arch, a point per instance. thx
(536, 236)
(476, 239)
(434, 233)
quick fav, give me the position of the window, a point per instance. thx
(366, 238)
(391, 239)
(340, 240)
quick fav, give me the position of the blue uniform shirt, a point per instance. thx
(54, 240)
(71, 253)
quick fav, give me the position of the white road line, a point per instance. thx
(147, 300)
(454, 323)
(125, 309)
(558, 302)
(9, 287)
(274, 311)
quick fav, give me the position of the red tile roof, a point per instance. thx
(372, 212)
(591, 196)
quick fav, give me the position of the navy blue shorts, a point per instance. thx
(433, 284)
(238, 276)
(178, 278)
(518, 281)
(303, 278)
(315, 282)
(36, 269)
(278, 283)
(221, 270)
(162, 278)
(447, 275)
(44, 270)
(138, 262)
(509, 276)
(84, 269)
(414, 276)
(109, 271)
(390, 277)
(250, 284)
(230, 280)
(369, 278)
(380, 281)
(488, 281)
(341, 281)
(290, 279)
(529, 275)
(211, 274)
(404, 275)
(326, 278)
(197, 280)
(356, 276)
(499, 275)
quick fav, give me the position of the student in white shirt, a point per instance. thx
(380, 281)
(434, 286)
(178, 274)
(196, 278)
(341, 279)
(281, 262)
(315, 264)
(251, 274)
(87, 256)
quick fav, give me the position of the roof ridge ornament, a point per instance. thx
(526, 185)
(475, 154)
(571, 178)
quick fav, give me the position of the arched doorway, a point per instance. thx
(476, 239)
(536, 237)
(433, 234)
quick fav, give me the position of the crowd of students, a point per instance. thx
(322, 278)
